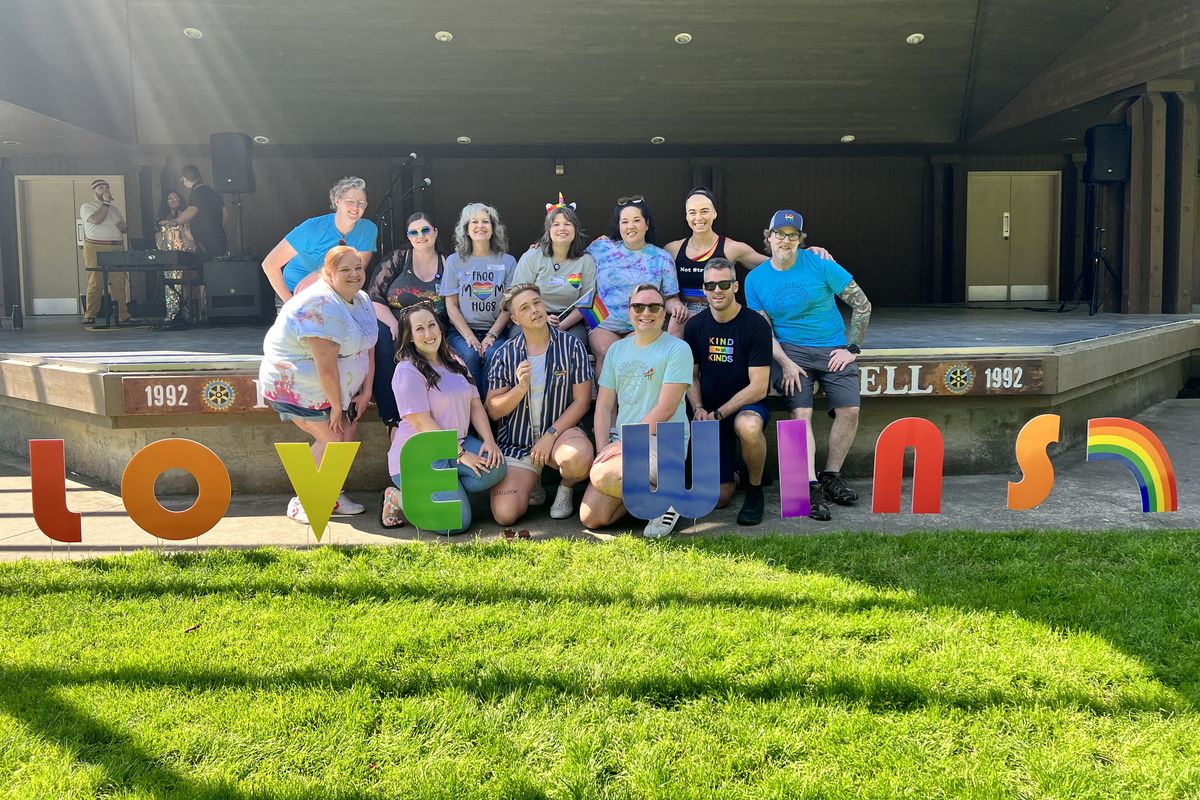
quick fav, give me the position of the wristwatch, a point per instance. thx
(853, 348)
(551, 430)
(717, 415)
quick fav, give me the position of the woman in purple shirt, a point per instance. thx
(435, 392)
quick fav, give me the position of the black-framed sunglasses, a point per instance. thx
(642, 308)
(712, 286)
(633, 198)
(342, 242)
(423, 231)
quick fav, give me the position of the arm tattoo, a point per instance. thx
(860, 311)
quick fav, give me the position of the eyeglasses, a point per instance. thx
(711, 286)
(342, 242)
(642, 308)
(790, 237)
(354, 203)
(424, 231)
(633, 198)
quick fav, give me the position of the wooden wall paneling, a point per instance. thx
(867, 212)
(1179, 203)
(1142, 274)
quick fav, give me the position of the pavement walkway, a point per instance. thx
(1094, 496)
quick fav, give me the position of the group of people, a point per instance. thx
(194, 225)
(500, 350)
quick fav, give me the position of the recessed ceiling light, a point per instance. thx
(657, 140)
(10, 141)
(261, 140)
(915, 38)
(193, 33)
(463, 140)
(1069, 139)
(683, 38)
(848, 138)
(444, 36)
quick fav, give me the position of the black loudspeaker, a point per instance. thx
(233, 169)
(1107, 154)
(232, 290)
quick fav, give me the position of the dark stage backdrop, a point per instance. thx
(875, 213)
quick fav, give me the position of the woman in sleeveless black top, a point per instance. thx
(692, 253)
(404, 278)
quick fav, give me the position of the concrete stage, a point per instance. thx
(978, 373)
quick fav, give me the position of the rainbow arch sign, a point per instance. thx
(1135, 446)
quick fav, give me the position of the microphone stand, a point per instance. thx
(385, 218)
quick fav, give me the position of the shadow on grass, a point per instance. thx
(1139, 591)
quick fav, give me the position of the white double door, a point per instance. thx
(50, 238)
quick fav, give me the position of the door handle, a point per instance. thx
(1007, 224)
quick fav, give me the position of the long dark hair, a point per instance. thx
(576, 248)
(165, 212)
(406, 349)
(614, 227)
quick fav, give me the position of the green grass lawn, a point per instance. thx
(965, 665)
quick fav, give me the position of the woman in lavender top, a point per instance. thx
(434, 392)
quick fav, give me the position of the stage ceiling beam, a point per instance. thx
(1137, 42)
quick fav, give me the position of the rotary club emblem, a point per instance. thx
(958, 379)
(218, 395)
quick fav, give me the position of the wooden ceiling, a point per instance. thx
(328, 73)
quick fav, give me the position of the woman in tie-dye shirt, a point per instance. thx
(475, 277)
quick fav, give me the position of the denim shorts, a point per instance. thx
(287, 411)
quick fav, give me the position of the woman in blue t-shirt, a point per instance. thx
(295, 261)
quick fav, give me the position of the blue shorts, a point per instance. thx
(287, 411)
(729, 439)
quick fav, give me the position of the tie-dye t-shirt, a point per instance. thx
(619, 270)
(478, 282)
(289, 374)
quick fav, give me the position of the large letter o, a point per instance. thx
(137, 489)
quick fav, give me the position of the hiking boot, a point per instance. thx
(819, 503)
(837, 490)
(752, 507)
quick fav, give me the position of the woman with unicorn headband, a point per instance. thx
(561, 268)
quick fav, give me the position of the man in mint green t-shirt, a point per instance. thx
(645, 377)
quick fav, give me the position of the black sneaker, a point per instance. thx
(819, 503)
(752, 507)
(837, 489)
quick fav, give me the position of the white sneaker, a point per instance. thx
(538, 495)
(661, 526)
(296, 511)
(345, 507)
(564, 503)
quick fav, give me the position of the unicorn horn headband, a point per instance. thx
(560, 204)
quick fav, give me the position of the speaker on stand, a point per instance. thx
(1107, 164)
(233, 173)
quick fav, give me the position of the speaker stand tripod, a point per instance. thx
(1091, 275)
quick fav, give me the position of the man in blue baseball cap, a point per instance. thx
(796, 292)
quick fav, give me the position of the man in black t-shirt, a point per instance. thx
(204, 215)
(731, 348)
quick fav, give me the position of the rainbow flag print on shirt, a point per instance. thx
(592, 309)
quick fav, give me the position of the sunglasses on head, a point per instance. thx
(711, 286)
(641, 308)
(422, 231)
(633, 198)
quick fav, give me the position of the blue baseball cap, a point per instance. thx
(786, 218)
